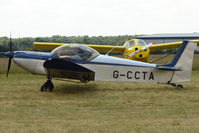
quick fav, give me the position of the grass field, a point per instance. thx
(96, 107)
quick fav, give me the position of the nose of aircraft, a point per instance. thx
(9, 54)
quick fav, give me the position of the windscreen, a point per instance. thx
(75, 52)
(142, 43)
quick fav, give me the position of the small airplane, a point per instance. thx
(134, 49)
(83, 63)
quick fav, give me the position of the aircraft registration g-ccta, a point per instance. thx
(80, 62)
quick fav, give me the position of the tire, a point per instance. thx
(180, 86)
(43, 87)
(48, 85)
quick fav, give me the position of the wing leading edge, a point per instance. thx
(99, 48)
(164, 46)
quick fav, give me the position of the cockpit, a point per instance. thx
(75, 52)
(141, 42)
(130, 43)
(134, 42)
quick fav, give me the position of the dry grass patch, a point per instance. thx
(95, 107)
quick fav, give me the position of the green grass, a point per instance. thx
(96, 107)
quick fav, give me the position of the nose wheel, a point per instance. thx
(47, 86)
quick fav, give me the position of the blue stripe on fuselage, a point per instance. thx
(33, 55)
(48, 56)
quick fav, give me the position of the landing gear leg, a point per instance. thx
(48, 85)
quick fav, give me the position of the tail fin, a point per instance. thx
(183, 61)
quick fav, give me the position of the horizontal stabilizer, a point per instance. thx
(167, 68)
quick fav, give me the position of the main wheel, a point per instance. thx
(48, 85)
(44, 87)
(179, 86)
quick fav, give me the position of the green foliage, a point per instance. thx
(26, 43)
(101, 40)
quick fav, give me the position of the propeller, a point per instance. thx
(10, 55)
(143, 49)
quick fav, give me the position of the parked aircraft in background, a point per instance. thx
(134, 49)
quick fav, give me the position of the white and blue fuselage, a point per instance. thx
(108, 68)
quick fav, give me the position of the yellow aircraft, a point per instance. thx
(134, 49)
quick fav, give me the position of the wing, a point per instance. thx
(99, 48)
(107, 48)
(164, 46)
(62, 68)
(46, 45)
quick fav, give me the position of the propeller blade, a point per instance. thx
(10, 55)
(10, 44)
(9, 64)
(143, 49)
(134, 53)
(147, 46)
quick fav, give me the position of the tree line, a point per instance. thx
(26, 43)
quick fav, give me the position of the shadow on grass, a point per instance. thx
(67, 88)
(75, 88)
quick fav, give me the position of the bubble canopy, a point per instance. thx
(75, 52)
